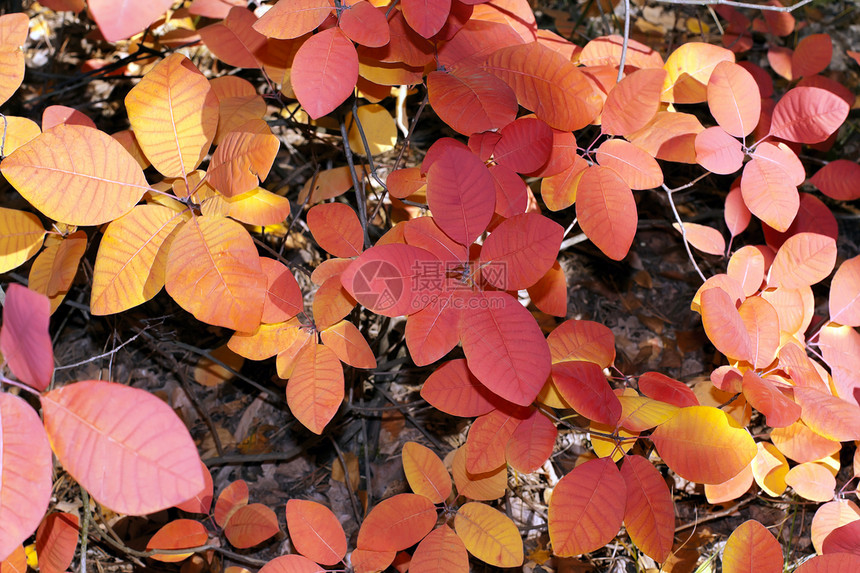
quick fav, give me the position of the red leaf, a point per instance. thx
(808, 115)
(426, 16)
(251, 525)
(471, 100)
(230, 500)
(661, 387)
(833, 563)
(234, 41)
(283, 295)
(524, 146)
(324, 72)
(838, 180)
(364, 24)
(586, 508)
(433, 331)
(649, 515)
(522, 249)
(582, 340)
(121, 19)
(461, 194)
(751, 548)
(316, 531)
(202, 500)
(24, 340)
(532, 443)
(56, 540)
(843, 539)
(98, 428)
(632, 102)
(549, 294)
(488, 437)
(397, 523)
(389, 279)
(512, 194)
(583, 386)
(505, 347)
(453, 389)
(606, 211)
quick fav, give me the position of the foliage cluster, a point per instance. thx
(591, 124)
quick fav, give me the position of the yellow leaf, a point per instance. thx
(132, 258)
(174, 114)
(489, 535)
(259, 207)
(76, 174)
(379, 129)
(55, 268)
(243, 159)
(21, 236)
(18, 131)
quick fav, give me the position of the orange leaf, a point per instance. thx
(177, 534)
(582, 340)
(213, 272)
(769, 468)
(250, 525)
(174, 115)
(802, 444)
(779, 410)
(724, 325)
(488, 437)
(433, 331)
(331, 303)
(366, 561)
(811, 56)
(486, 486)
(661, 387)
(607, 50)
(202, 500)
(471, 100)
(606, 211)
(559, 191)
(532, 443)
(453, 389)
(234, 41)
(16, 562)
(293, 19)
(586, 508)
(259, 207)
(336, 228)
(97, 428)
(832, 563)
(324, 72)
(769, 193)
(283, 294)
(808, 115)
(649, 514)
(396, 523)
(425, 472)
(730, 489)
(132, 258)
(737, 214)
(670, 136)
(77, 175)
(14, 29)
(523, 248)
(118, 20)
(441, 550)
(637, 168)
(811, 481)
(746, 266)
(632, 102)
(689, 70)
(719, 152)
(24, 340)
(845, 293)
(751, 548)
(706, 239)
(315, 390)
(762, 324)
(702, 444)
(549, 294)
(832, 417)
(803, 260)
(316, 531)
(489, 535)
(347, 342)
(733, 98)
(524, 145)
(269, 339)
(291, 564)
(834, 180)
(21, 237)
(55, 268)
(243, 159)
(232, 497)
(56, 540)
(546, 83)
(829, 517)
(639, 413)
(26, 467)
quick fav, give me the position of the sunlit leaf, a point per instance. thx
(14, 29)
(586, 508)
(779, 410)
(706, 239)
(751, 548)
(489, 535)
(719, 152)
(582, 340)
(441, 550)
(606, 211)
(845, 293)
(545, 83)
(376, 125)
(811, 481)
(532, 443)
(702, 444)
(632, 103)
(808, 115)
(315, 390)
(724, 325)
(829, 517)
(293, 19)
(649, 514)
(762, 325)
(213, 259)
(733, 98)
(730, 489)
(486, 486)
(121, 19)
(825, 414)
(638, 169)
(76, 175)
(398, 522)
(607, 50)
(243, 159)
(583, 385)
(746, 266)
(425, 472)
(769, 468)
(453, 389)
(471, 100)
(174, 114)
(660, 387)
(689, 70)
(804, 259)
(316, 531)
(639, 413)
(97, 428)
(336, 228)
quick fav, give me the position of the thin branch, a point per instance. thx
(733, 4)
(683, 232)
(360, 196)
(104, 355)
(626, 40)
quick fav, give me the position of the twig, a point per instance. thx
(626, 40)
(104, 355)
(352, 499)
(360, 196)
(669, 193)
(733, 4)
(716, 515)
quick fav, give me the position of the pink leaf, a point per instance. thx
(24, 339)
